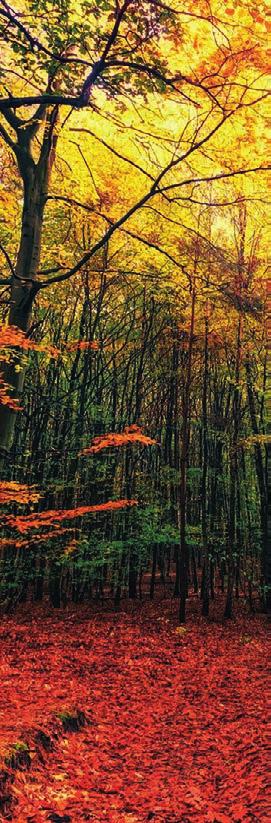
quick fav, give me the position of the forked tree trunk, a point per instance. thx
(35, 179)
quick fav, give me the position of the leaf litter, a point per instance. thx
(126, 719)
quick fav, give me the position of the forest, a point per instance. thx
(135, 411)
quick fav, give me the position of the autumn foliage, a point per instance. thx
(173, 719)
(5, 397)
(13, 340)
(11, 491)
(82, 345)
(12, 337)
(35, 521)
(129, 436)
(134, 312)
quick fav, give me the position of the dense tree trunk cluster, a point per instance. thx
(201, 521)
(176, 343)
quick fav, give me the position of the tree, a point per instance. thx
(132, 62)
(143, 314)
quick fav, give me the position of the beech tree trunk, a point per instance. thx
(35, 179)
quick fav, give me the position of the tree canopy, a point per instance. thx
(133, 242)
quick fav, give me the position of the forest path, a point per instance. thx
(176, 717)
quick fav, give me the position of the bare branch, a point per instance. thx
(222, 176)
(113, 151)
(8, 259)
(154, 190)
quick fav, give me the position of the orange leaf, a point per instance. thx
(18, 492)
(82, 345)
(34, 521)
(131, 434)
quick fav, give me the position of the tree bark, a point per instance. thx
(263, 484)
(183, 554)
(35, 179)
(206, 559)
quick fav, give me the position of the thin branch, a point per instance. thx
(113, 151)
(221, 176)
(132, 234)
(8, 140)
(34, 42)
(154, 190)
(169, 81)
(8, 259)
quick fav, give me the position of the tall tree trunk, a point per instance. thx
(267, 549)
(262, 483)
(35, 179)
(240, 284)
(183, 554)
(206, 559)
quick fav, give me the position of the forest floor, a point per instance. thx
(128, 718)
